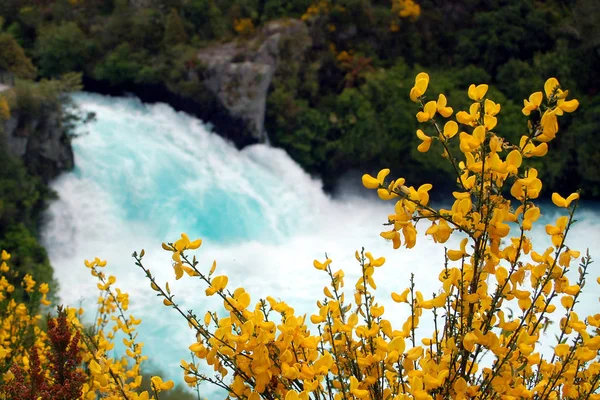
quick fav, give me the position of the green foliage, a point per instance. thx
(32, 99)
(146, 30)
(515, 29)
(120, 66)
(13, 58)
(174, 30)
(273, 9)
(206, 18)
(60, 49)
(363, 126)
(585, 131)
(22, 200)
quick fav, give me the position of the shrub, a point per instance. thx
(60, 49)
(477, 349)
(13, 58)
(68, 360)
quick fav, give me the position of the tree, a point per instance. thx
(13, 58)
(60, 49)
(174, 30)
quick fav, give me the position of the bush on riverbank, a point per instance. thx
(497, 293)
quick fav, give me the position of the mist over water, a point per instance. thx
(145, 173)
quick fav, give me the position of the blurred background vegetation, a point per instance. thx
(345, 106)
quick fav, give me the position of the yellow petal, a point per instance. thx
(550, 85)
(220, 282)
(450, 129)
(382, 175)
(572, 196)
(430, 108)
(369, 182)
(558, 200)
(562, 349)
(568, 106)
(514, 158)
(421, 135)
(424, 146)
(536, 98)
(195, 244)
(397, 344)
(477, 93)
(442, 101)
(424, 76)
(95, 367)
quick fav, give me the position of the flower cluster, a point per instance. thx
(406, 8)
(243, 26)
(20, 331)
(69, 360)
(479, 348)
(321, 7)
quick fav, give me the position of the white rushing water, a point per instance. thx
(145, 173)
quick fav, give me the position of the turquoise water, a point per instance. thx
(146, 173)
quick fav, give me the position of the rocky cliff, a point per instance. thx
(39, 140)
(239, 73)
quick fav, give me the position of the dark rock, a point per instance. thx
(240, 73)
(40, 141)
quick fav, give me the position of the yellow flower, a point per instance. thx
(394, 236)
(513, 162)
(477, 93)
(534, 102)
(528, 149)
(450, 129)
(29, 283)
(557, 231)
(159, 385)
(185, 244)
(567, 302)
(402, 298)
(426, 144)
(442, 107)
(429, 110)
(530, 186)
(218, 283)
(440, 232)
(491, 108)
(322, 266)
(456, 255)
(567, 106)
(551, 86)
(559, 201)
(397, 344)
(373, 183)
(470, 143)
(530, 216)
(421, 83)
(549, 123)
(354, 389)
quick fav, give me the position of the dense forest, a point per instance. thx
(341, 107)
(345, 105)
